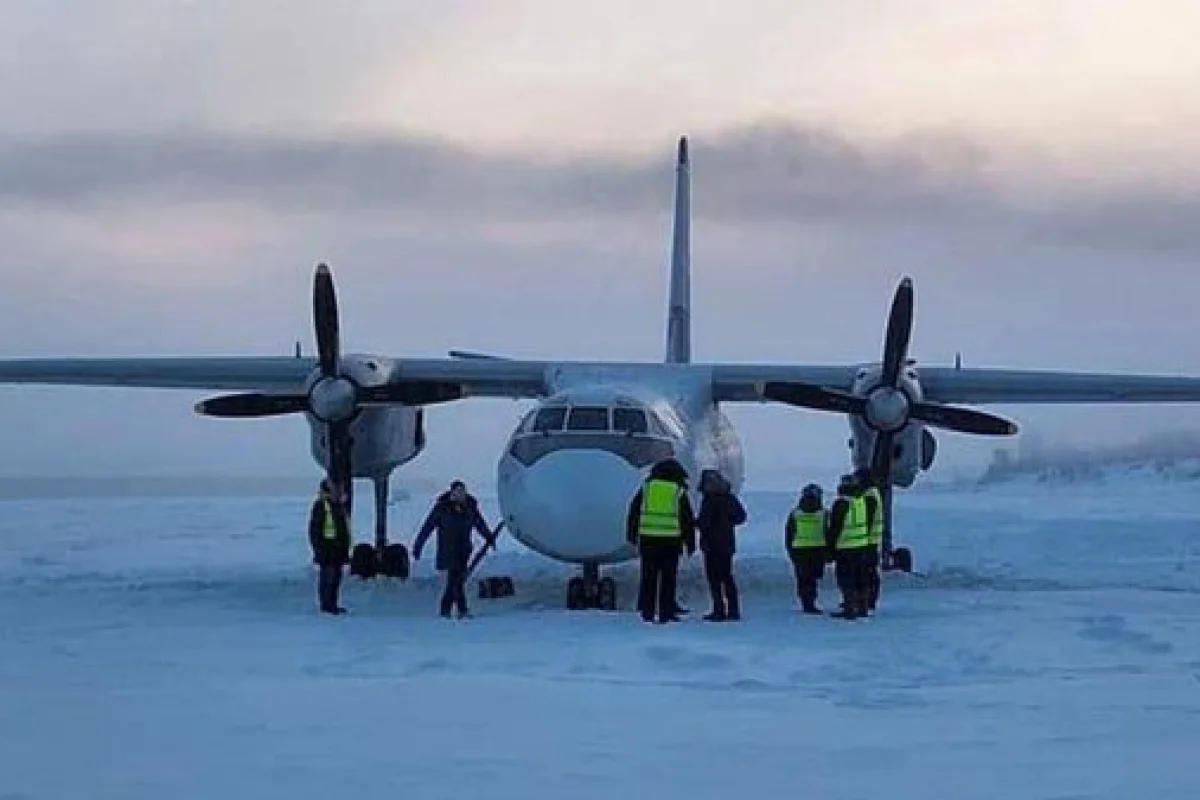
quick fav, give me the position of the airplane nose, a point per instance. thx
(571, 504)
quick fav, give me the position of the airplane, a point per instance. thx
(570, 467)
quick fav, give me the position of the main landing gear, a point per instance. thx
(591, 591)
(897, 559)
(389, 560)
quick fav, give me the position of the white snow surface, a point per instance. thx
(1050, 648)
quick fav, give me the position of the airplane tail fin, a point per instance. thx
(679, 309)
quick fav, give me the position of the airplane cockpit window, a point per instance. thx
(549, 419)
(629, 420)
(588, 418)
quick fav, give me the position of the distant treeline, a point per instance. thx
(51, 487)
(1035, 457)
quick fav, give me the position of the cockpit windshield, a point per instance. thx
(584, 418)
(588, 418)
(550, 418)
(629, 420)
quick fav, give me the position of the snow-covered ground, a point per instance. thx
(170, 649)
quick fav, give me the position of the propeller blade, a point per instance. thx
(899, 331)
(338, 437)
(415, 393)
(963, 420)
(325, 321)
(807, 395)
(469, 355)
(252, 404)
(881, 459)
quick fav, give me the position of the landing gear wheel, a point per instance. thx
(899, 559)
(576, 594)
(393, 561)
(363, 563)
(497, 586)
(606, 595)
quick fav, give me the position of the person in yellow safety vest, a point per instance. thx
(661, 524)
(874, 537)
(329, 535)
(848, 534)
(804, 540)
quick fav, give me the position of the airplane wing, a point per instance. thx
(1002, 386)
(743, 383)
(229, 373)
(481, 378)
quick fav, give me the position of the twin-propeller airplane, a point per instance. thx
(570, 467)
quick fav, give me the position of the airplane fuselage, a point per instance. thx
(571, 467)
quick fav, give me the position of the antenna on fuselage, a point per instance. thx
(298, 354)
(958, 360)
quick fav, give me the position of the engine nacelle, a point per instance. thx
(384, 437)
(913, 449)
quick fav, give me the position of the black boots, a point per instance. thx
(724, 608)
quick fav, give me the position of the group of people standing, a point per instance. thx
(662, 525)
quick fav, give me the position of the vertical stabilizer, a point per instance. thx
(679, 308)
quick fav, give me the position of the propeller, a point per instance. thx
(334, 398)
(887, 408)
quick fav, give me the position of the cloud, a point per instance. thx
(760, 175)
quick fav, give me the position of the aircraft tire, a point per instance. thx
(394, 561)
(576, 594)
(606, 594)
(363, 563)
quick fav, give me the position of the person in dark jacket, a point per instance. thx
(329, 535)
(720, 513)
(661, 524)
(454, 516)
(804, 540)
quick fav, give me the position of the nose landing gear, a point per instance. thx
(591, 591)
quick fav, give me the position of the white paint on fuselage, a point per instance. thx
(570, 504)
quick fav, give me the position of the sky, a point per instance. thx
(478, 173)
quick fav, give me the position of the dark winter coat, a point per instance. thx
(669, 470)
(335, 552)
(807, 504)
(453, 523)
(720, 513)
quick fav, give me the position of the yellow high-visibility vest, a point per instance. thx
(875, 534)
(329, 531)
(808, 529)
(854, 527)
(660, 509)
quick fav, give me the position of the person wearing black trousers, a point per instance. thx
(455, 515)
(720, 513)
(329, 536)
(661, 524)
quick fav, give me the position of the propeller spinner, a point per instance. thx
(333, 399)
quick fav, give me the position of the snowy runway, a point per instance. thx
(170, 648)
